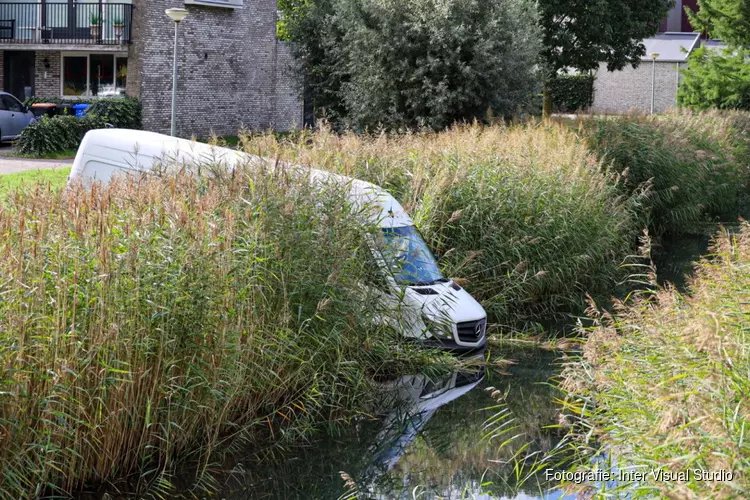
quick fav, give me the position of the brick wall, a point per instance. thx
(630, 89)
(47, 80)
(232, 70)
(289, 112)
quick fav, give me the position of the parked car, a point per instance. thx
(437, 311)
(14, 117)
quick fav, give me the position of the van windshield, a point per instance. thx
(409, 258)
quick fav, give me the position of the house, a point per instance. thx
(233, 72)
(656, 80)
(677, 21)
(630, 90)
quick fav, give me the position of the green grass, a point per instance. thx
(56, 178)
(58, 155)
(230, 141)
(176, 317)
(664, 380)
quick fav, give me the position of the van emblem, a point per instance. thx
(478, 329)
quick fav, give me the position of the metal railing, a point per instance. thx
(71, 22)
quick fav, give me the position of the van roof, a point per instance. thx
(158, 146)
(141, 151)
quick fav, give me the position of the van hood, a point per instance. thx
(446, 301)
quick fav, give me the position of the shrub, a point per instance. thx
(525, 214)
(55, 134)
(122, 112)
(663, 381)
(571, 93)
(692, 166)
(62, 132)
(158, 318)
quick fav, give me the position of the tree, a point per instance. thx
(290, 15)
(719, 78)
(409, 64)
(725, 19)
(580, 35)
(716, 79)
(433, 62)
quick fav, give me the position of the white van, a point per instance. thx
(435, 310)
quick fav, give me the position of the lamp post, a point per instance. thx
(175, 15)
(654, 57)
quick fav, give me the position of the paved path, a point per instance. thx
(11, 165)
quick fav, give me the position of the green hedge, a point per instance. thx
(55, 134)
(571, 93)
(122, 112)
(63, 132)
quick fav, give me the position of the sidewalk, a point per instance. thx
(11, 165)
(14, 165)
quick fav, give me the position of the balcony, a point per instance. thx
(65, 22)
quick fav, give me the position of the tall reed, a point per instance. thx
(663, 381)
(526, 214)
(696, 165)
(157, 320)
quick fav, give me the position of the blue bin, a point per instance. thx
(80, 109)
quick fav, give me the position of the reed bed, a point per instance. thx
(664, 381)
(525, 215)
(162, 321)
(696, 165)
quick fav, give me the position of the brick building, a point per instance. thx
(233, 70)
(630, 90)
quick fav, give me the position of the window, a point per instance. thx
(94, 75)
(74, 76)
(102, 75)
(121, 77)
(408, 257)
(9, 103)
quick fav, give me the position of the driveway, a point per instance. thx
(11, 165)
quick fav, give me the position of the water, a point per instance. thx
(433, 440)
(675, 258)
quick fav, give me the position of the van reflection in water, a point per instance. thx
(416, 398)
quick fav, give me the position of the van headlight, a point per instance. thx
(439, 329)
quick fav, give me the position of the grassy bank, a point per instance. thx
(23, 180)
(667, 376)
(156, 322)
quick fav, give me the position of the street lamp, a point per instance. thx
(176, 15)
(654, 57)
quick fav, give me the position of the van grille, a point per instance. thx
(472, 331)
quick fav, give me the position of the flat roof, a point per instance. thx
(671, 47)
(716, 44)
